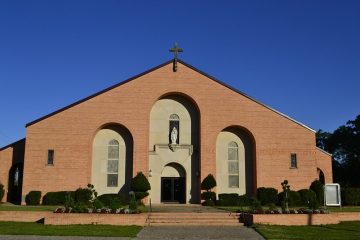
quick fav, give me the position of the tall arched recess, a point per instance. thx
(235, 161)
(174, 141)
(112, 159)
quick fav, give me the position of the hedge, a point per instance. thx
(233, 199)
(294, 199)
(33, 198)
(308, 198)
(2, 191)
(267, 195)
(318, 188)
(108, 199)
(57, 198)
(208, 196)
(351, 196)
(83, 195)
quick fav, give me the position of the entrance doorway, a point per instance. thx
(173, 189)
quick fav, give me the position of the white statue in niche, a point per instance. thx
(174, 135)
(16, 177)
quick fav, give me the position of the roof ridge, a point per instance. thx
(155, 68)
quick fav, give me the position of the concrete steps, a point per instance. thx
(193, 219)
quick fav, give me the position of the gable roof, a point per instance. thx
(155, 68)
(12, 144)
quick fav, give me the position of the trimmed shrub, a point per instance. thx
(267, 195)
(56, 198)
(208, 183)
(108, 199)
(244, 200)
(83, 195)
(208, 196)
(233, 199)
(141, 195)
(228, 199)
(318, 188)
(2, 192)
(294, 199)
(33, 198)
(351, 196)
(140, 185)
(208, 202)
(308, 198)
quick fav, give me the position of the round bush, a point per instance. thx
(208, 183)
(267, 195)
(308, 197)
(318, 188)
(294, 198)
(141, 195)
(2, 192)
(33, 198)
(83, 195)
(208, 196)
(56, 198)
(140, 183)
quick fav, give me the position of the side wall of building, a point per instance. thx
(71, 132)
(11, 160)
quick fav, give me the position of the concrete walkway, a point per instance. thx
(198, 232)
(167, 233)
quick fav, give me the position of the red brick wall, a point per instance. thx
(70, 132)
(323, 163)
(301, 219)
(5, 165)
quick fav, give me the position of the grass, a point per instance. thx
(343, 230)
(22, 228)
(26, 208)
(345, 209)
(331, 209)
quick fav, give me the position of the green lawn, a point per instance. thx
(20, 228)
(344, 230)
(331, 209)
(345, 209)
(26, 208)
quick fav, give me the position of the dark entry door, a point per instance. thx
(173, 189)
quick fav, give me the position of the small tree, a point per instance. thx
(2, 192)
(207, 184)
(286, 189)
(318, 188)
(140, 185)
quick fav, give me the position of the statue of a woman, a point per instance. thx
(174, 135)
(16, 177)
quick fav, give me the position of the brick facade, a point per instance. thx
(70, 132)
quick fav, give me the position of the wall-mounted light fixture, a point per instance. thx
(150, 173)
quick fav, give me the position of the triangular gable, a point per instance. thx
(160, 66)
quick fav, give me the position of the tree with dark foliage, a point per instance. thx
(344, 144)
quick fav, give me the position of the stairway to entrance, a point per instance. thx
(190, 215)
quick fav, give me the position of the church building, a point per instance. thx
(174, 123)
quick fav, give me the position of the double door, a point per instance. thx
(173, 189)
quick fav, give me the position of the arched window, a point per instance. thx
(174, 122)
(113, 163)
(233, 165)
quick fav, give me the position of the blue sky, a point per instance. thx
(299, 57)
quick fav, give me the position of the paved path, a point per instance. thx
(198, 232)
(167, 233)
(15, 237)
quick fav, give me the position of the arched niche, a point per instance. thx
(235, 161)
(112, 159)
(321, 175)
(181, 146)
(173, 183)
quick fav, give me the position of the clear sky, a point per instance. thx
(299, 57)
